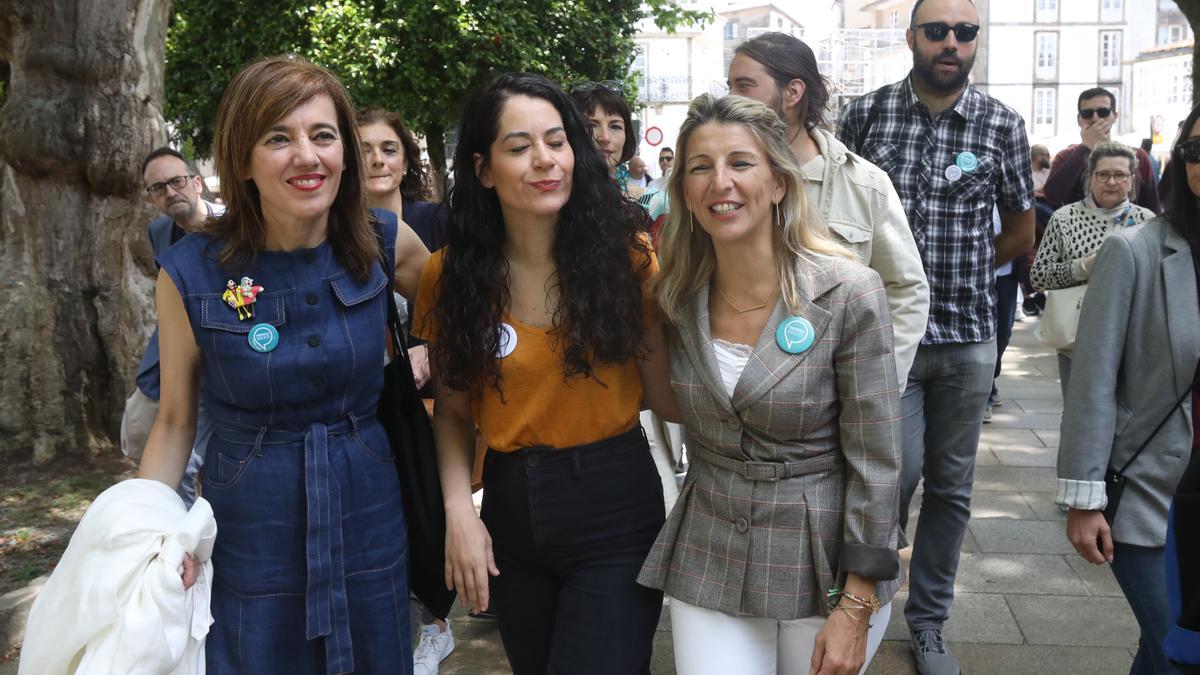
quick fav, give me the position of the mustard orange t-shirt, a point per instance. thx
(539, 408)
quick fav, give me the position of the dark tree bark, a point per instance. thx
(81, 109)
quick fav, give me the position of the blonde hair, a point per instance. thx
(686, 251)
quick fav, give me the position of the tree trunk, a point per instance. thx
(82, 107)
(435, 144)
(1191, 10)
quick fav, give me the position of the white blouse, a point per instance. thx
(731, 361)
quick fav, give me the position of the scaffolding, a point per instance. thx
(858, 60)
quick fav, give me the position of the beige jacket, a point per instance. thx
(856, 199)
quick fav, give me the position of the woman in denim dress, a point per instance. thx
(311, 557)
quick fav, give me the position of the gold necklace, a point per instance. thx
(739, 310)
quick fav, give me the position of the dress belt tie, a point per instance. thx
(767, 471)
(327, 612)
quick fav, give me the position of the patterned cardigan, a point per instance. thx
(795, 480)
(1073, 233)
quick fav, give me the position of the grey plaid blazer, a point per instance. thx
(795, 481)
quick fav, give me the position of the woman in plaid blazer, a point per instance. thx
(782, 365)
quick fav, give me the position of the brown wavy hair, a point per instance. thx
(260, 95)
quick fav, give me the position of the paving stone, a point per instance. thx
(1075, 621)
(1015, 479)
(1030, 659)
(1017, 573)
(1031, 388)
(997, 535)
(984, 457)
(974, 618)
(1025, 455)
(1040, 405)
(1098, 579)
(1049, 437)
(1012, 419)
(1043, 506)
(992, 435)
(988, 504)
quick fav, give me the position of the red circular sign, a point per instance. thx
(654, 135)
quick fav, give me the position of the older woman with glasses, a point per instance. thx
(1075, 232)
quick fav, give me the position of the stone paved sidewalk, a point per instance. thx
(1025, 602)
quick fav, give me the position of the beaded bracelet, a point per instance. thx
(835, 594)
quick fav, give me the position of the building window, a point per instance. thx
(1046, 11)
(1110, 55)
(1047, 56)
(894, 19)
(1174, 34)
(1110, 10)
(1043, 110)
(731, 30)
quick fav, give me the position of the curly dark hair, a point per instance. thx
(598, 251)
(414, 187)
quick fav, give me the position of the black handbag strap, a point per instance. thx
(1177, 406)
(397, 329)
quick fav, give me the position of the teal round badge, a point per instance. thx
(967, 161)
(795, 335)
(263, 337)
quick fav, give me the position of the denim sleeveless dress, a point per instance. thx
(310, 564)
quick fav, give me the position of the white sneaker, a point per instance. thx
(433, 648)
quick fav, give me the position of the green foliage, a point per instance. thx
(417, 57)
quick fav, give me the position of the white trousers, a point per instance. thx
(708, 642)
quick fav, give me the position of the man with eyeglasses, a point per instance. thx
(953, 153)
(173, 186)
(1097, 115)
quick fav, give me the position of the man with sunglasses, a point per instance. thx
(1097, 115)
(954, 154)
(173, 186)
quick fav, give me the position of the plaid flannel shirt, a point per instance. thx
(950, 213)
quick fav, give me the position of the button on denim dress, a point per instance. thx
(310, 563)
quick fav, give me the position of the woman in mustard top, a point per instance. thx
(542, 333)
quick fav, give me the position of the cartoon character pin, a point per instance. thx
(241, 297)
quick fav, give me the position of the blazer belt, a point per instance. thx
(767, 471)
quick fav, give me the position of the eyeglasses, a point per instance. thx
(1189, 150)
(588, 87)
(1118, 177)
(176, 182)
(666, 158)
(936, 31)
(1087, 113)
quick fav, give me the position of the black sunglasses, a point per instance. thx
(1189, 150)
(936, 31)
(1087, 113)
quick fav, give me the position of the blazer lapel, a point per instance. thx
(696, 335)
(768, 364)
(1183, 314)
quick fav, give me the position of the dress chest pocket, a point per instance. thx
(230, 362)
(364, 314)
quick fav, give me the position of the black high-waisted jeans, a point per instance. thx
(570, 529)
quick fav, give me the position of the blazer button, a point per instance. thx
(533, 460)
(733, 424)
(741, 525)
